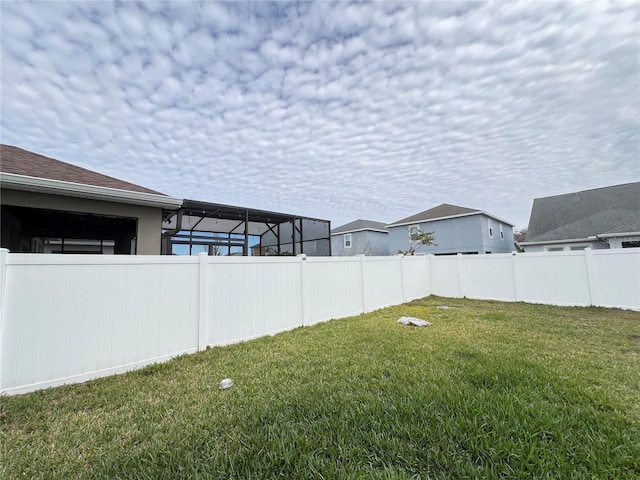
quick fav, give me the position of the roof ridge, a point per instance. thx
(585, 213)
(360, 224)
(589, 190)
(443, 210)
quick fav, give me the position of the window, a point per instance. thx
(69, 245)
(490, 229)
(501, 233)
(566, 248)
(347, 240)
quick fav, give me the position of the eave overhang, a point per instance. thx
(556, 242)
(80, 190)
(360, 230)
(479, 212)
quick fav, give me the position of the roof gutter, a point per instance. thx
(602, 236)
(555, 242)
(81, 190)
(361, 230)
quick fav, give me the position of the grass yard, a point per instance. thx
(490, 390)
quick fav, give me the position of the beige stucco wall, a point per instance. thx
(149, 219)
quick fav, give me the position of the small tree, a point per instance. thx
(418, 238)
(520, 235)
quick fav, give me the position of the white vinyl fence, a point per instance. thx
(70, 318)
(604, 278)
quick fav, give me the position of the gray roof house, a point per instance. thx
(364, 237)
(607, 217)
(455, 230)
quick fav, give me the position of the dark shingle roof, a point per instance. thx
(614, 209)
(357, 225)
(441, 211)
(22, 162)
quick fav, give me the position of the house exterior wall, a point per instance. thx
(619, 242)
(496, 243)
(149, 219)
(467, 234)
(365, 242)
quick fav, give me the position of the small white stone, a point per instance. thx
(226, 383)
(413, 321)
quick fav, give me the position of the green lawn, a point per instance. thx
(490, 390)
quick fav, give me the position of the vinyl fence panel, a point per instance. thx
(487, 277)
(557, 278)
(444, 276)
(608, 278)
(416, 282)
(332, 288)
(251, 297)
(69, 318)
(75, 317)
(382, 279)
(616, 278)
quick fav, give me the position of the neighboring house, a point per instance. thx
(49, 206)
(607, 217)
(360, 237)
(52, 206)
(455, 230)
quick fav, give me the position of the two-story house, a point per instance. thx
(455, 230)
(360, 237)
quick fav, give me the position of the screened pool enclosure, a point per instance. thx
(218, 229)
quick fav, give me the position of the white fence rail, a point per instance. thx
(70, 318)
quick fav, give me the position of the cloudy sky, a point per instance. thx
(336, 111)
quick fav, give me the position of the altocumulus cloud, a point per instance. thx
(335, 110)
